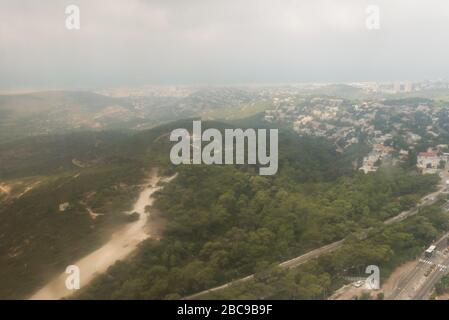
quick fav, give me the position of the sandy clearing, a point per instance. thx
(397, 275)
(5, 189)
(443, 297)
(121, 244)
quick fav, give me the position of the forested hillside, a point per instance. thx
(225, 222)
(222, 222)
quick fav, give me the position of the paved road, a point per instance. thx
(426, 201)
(286, 264)
(311, 255)
(418, 284)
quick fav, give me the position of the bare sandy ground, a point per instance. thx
(397, 275)
(121, 244)
(347, 292)
(443, 297)
(5, 188)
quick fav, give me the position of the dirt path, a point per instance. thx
(121, 244)
(286, 264)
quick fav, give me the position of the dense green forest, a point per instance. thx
(386, 247)
(234, 223)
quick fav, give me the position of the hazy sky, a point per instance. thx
(136, 42)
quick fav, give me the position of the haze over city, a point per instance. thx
(140, 42)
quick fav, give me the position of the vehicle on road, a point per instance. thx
(429, 252)
(429, 271)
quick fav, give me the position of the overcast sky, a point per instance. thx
(136, 42)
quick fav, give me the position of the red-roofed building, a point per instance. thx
(429, 161)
